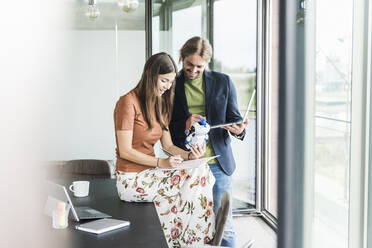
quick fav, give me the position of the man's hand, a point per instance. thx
(236, 128)
(192, 119)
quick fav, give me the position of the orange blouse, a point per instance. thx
(128, 116)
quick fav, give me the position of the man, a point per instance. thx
(212, 96)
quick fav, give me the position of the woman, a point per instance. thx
(182, 198)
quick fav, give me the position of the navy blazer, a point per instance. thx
(221, 107)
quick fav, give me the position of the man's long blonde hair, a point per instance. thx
(199, 46)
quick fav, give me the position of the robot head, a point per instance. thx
(201, 127)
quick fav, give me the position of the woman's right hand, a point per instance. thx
(197, 151)
(170, 162)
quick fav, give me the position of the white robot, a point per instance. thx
(197, 134)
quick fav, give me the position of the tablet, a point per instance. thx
(245, 116)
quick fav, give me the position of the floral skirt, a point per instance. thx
(183, 200)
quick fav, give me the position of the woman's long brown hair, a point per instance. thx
(148, 93)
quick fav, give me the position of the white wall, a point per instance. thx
(81, 120)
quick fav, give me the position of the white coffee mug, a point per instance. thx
(80, 188)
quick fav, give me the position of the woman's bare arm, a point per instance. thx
(124, 138)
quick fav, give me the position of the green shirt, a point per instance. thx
(194, 90)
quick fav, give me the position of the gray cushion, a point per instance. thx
(78, 169)
(85, 169)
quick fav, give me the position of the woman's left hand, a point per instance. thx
(197, 151)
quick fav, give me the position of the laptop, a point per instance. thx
(57, 192)
(245, 116)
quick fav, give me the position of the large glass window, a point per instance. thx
(325, 87)
(235, 53)
(174, 22)
(332, 122)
